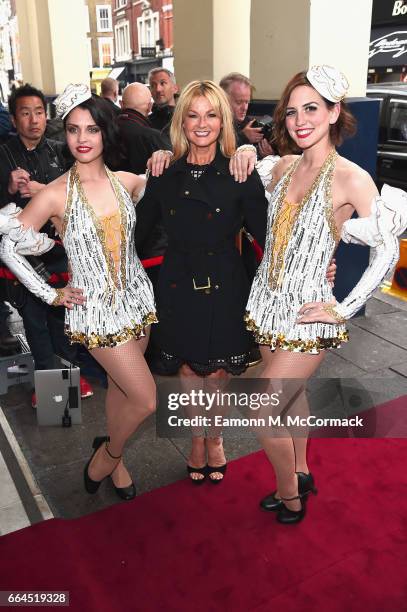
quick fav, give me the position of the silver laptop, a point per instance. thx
(58, 393)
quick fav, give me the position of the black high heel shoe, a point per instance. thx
(193, 470)
(127, 493)
(214, 469)
(306, 485)
(92, 486)
(289, 517)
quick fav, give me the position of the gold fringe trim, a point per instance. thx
(110, 340)
(301, 346)
(70, 184)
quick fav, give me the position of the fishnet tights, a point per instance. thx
(130, 398)
(209, 383)
(288, 454)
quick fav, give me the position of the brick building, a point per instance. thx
(10, 66)
(100, 40)
(143, 38)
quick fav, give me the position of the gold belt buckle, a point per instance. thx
(202, 287)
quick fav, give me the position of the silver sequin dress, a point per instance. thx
(301, 240)
(120, 302)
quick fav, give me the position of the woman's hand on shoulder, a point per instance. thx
(134, 183)
(159, 161)
(242, 162)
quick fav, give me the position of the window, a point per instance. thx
(122, 39)
(398, 120)
(104, 18)
(148, 29)
(105, 51)
(120, 3)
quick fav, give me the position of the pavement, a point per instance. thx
(41, 468)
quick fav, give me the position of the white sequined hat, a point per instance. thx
(329, 82)
(73, 95)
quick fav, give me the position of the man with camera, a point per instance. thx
(248, 131)
(28, 161)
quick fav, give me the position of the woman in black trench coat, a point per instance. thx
(203, 288)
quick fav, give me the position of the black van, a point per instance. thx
(392, 145)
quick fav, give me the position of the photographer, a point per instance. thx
(248, 131)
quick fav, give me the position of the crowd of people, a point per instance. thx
(72, 209)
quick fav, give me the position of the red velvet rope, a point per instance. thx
(64, 276)
(147, 263)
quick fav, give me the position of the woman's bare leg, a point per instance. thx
(213, 440)
(130, 398)
(197, 456)
(288, 455)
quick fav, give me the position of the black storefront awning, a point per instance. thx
(388, 47)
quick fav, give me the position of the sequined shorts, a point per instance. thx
(93, 340)
(279, 340)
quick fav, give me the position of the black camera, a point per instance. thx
(266, 125)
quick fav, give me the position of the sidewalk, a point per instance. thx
(56, 456)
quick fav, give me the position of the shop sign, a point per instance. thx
(147, 51)
(389, 12)
(388, 48)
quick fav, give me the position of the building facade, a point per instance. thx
(10, 65)
(143, 38)
(388, 41)
(100, 40)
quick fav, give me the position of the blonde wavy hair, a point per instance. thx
(220, 104)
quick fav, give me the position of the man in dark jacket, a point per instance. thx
(109, 89)
(8, 343)
(139, 138)
(140, 141)
(163, 89)
(239, 90)
(5, 124)
(28, 162)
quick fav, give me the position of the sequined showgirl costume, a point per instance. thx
(301, 240)
(103, 262)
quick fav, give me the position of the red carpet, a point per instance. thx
(210, 548)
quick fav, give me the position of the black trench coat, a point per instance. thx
(203, 287)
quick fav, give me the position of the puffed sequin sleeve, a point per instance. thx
(15, 243)
(380, 230)
(265, 168)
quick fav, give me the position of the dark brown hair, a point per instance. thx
(344, 127)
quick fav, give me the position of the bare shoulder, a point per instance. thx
(48, 203)
(352, 178)
(53, 194)
(354, 186)
(132, 182)
(281, 167)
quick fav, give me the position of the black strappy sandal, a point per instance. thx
(193, 470)
(213, 469)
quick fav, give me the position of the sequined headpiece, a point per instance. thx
(72, 96)
(329, 82)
